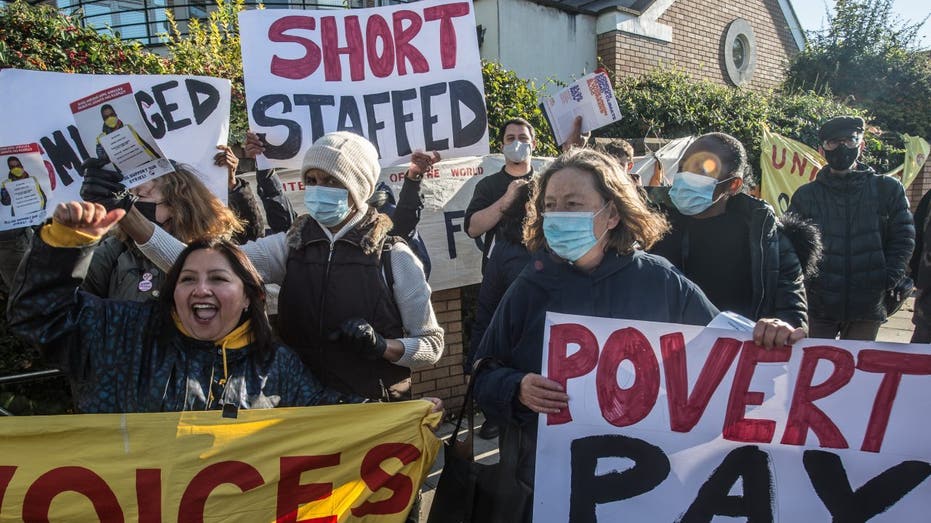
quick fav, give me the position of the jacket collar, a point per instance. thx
(551, 272)
(368, 234)
(850, 180)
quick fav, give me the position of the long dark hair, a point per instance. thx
(251, 282)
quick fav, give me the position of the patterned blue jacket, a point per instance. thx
(128, 357)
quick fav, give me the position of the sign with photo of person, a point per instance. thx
(407, 77)
(23, 187)
(185, 116)
(124, 140)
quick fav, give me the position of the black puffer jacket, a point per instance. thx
(782, 252)
(126, 356)
(868, 237)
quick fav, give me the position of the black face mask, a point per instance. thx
(842, 157)
(148, 210)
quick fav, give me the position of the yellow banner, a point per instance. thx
(785, 165)
(314, 464)
(916, 154)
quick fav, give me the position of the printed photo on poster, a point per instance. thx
(112, 117)
(24, 186)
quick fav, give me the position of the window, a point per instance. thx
(739, 52)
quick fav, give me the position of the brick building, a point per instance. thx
(735, 42)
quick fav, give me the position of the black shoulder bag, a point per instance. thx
(466, 491)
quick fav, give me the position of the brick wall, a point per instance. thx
(698, 29)
(445, 379)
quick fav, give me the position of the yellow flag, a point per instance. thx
(916, 153)
(785, 165)
(322, 464)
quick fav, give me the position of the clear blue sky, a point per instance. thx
(811, 14)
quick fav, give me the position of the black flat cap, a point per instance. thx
(841, 127)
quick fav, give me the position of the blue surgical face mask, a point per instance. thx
(693, 193)
(570, 235)
(328, 205)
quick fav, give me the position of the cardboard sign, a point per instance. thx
(187, 116)
(679, 423)
(348, 462)
(23, 186)
(447, 190)
(407, 77)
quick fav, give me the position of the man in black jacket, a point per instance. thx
(729, 243)
(867, 232)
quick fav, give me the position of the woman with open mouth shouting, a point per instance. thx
(205, 344)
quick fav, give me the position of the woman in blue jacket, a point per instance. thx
(205, 344)
(586, 226)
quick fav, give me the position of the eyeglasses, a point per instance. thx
(850, 142)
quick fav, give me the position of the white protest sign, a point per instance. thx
(455, 258)
(23, 186)
(187, 116)
(407, 77)
(110, 123)
(590, 97)
(678, 423)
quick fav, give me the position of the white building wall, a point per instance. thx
(537, 42)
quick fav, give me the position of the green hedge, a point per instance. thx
(669, 104)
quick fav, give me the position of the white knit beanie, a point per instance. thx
(349, 158)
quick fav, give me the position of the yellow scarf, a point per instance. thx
(236, 339)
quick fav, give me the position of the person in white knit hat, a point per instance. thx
(354, 302)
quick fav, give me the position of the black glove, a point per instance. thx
(104, 187)
(360, 336)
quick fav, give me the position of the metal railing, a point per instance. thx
(146, 20)
(27, 377)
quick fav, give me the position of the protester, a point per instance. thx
(354, 302)
(178, 202)
(496, 192)
(921, 272)
(205, 344)
(240, 198)
(583, 227)
(731, 244)
(867, 232)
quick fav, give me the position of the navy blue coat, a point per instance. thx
(638, 286)
(868, 237)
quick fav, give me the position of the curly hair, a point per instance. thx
(639, 226)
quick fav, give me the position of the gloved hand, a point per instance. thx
(104, 187)
(357, 334)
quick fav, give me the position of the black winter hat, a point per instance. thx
(841, 127)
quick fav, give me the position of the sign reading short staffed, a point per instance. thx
(679, 423)
(345, 462)
(407, 77)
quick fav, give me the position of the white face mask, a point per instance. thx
(517, 151)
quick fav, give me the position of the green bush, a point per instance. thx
(669, 104)
(508, 96)
(42, 38)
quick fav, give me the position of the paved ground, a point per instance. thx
(897, 329)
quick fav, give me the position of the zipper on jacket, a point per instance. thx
(326, 284)
(759, 305)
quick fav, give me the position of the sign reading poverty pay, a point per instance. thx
(681, 423)
(346, 463)
(407, 77)
(23, 190)
(186, 117)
